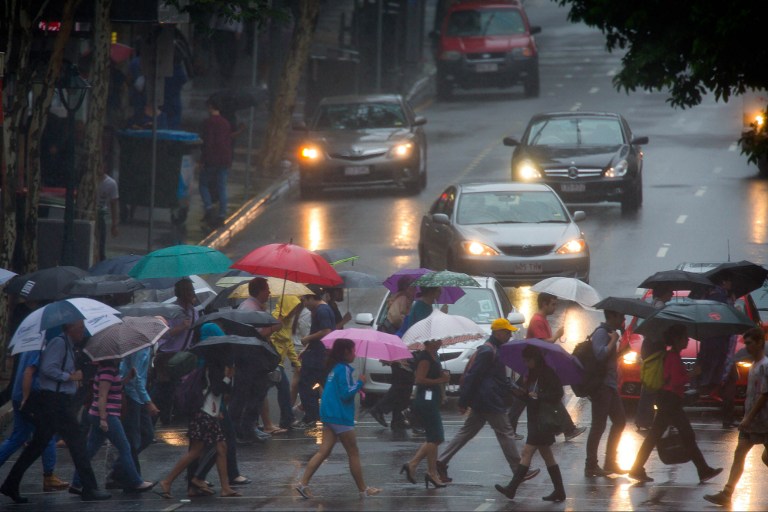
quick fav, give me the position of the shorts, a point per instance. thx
(754, 437)
(338, 429)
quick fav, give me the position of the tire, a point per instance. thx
(307, 190)
(531, 86)
(444, 88)
(632, 201)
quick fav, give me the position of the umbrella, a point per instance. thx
(336, 256)
(230, 341)
(6, 275)
(105, 284)
(371, 344)
(45, 284)
(117, 265)
(254, 318)
(567, 367)
(71, 310)
(677, 280)
(445, 278)
(745, 276)
(180, 261)
(119, 52)
(162, 309)
(568, 288)
(354, 279)
(125, 338)
(277, 287)
(703, 318)
(627, 306)
(288, 261)
(227, 281)
(448, 294)
(450, 329)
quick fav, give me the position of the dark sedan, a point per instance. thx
(519, 233)
(363, 141)
(586, 157)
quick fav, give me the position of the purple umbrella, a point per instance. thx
(567, 367)
(448, 294)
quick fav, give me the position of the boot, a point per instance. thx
(511, 488)
(557, 479)
(52, 483)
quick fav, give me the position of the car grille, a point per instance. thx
(485, 56)
(526, 250)
(580, 173)
(357, 158)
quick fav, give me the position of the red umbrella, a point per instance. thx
(292, 262)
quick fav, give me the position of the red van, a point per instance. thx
(486, 43)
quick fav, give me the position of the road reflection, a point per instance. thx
(316, 228)
(758, 216)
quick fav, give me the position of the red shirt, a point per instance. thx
(217, 142)
(675, 375)
(539, 327)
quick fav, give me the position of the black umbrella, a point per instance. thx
(745, 276)
(232, 347)
(354, 279)
(152, 309)
(43, 285)
(677, 280)
(703, 318)
(254, 318)
(627, 306)
(117, 265)
(222, 300)
(105, 284)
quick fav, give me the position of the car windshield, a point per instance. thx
(573, 131)
(359, 116)
(760, 296)
(510, 208)
(485, 22)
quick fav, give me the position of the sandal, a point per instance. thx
(163, 493)
(369, 491)
(202, 487)
(233, 494)
(276, 430)
(303, 490)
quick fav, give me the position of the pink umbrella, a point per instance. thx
(371, 344)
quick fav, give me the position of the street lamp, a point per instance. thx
(72, 91)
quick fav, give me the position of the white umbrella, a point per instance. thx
(5, 275)
(30, 336)
(568, 288)
(129, 336)
(449, 329)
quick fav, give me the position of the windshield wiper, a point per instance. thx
(550, 221)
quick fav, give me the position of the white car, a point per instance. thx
(482, 304)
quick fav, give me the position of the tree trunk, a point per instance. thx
(282, 109)
(87, 192)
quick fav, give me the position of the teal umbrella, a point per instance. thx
(180, 261)
(445, 278)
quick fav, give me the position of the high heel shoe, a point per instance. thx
(407, 470)
(429, 480)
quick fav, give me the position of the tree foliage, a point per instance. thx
(688, 47)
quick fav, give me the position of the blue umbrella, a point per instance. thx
(117, 265)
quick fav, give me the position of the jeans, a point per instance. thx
(309, 396)
(214, 176)
(22, 432)
(116, 436)
(284, 399)
(606, 403)
(139, 431)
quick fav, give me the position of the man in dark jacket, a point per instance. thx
(483, 391)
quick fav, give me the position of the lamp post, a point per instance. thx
(72, 91)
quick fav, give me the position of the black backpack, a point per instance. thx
(594, 370)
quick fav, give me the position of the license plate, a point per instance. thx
(359, 170)
(528, 268)
(487, 67)
(573, 187)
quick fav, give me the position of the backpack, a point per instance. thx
(594, 370)
(652, 370)
(189, 392)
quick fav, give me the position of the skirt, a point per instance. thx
(204, 427)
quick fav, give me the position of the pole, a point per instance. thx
(252, 110)
(379, 35)
(153, 166)
(67, 250)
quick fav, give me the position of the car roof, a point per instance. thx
(697, 267)
(503, 186)
(362, 98)
(577, 114)
(472, 4)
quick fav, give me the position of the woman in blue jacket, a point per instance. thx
(337, 412)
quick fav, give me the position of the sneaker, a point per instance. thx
(52, 483)
(575, 432)
(260, 435)
(95, 495)
(378, 416)
(593, 471)
(722, 499)
(75, 490)
(709, 474)
(639, 475)
(613, 468)
(517, 437)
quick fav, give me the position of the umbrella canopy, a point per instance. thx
(227, 281)
(288, 261)
(568, 288)
(71, 310)
(254, 318)
(117, 265)
(627, 306)
(703, 318)
(745, 276)
(371, 344)
(677, 280)
(129, 336)
(277, 287)
(337, 256)
(354, 279)
(105, 284)
(445, 278)
(6, 275)
(45, 284)
(180, 261)
(230, 341)
(565, 365)
(162, 309)
(448, 294)
(449, 329)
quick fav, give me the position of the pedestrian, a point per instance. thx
(55, 414)
(421, 308)
(606, 402)
(669, 401)
(108, 197)
(714, 350)
(338, 415)
(313, 356)
(753, 429)
(286, 310)
(428, 377)
(539, 328)
(216, 160)
(543, 390)
(104, 421)
(332, 297)
(398, 396)
(483, 393)
(399, 305)
(25, 382)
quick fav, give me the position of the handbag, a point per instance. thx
(550, 417)
(672, 450)
(181, 363)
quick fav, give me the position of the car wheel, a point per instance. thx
(444, 88)
(531, 85)
(632, 201)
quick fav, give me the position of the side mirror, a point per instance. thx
(441, 218)
(579, 215)
(509, 141)
(419, 121)
(516, 318)
(535, 29)
(639, 141)
(300, 125)
(364, 319)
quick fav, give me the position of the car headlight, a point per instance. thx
(527, 171)
(630, 358)
(450, 56)
(618, 170)
(310, 153)
(744, 364)
(574, 246)
(474, 248)
(403, 150)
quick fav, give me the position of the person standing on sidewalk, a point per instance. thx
(108, 197)
(216, 159)
(483, 393)
(753, 429)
